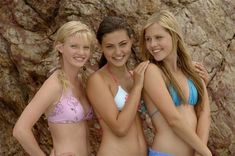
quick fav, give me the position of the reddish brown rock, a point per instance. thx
(26, 35)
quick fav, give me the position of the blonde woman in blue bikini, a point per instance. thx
(175, 95)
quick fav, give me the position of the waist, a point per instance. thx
(133, 143)
(188, 114)
(68, 132)
(76, 146)
(123, 148)
(132, 136)
(170, 143)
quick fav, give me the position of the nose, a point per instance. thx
(118, 51)
(153, 43)
(81, 51)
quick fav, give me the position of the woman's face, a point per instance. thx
(75, 51)
(116, 47)
(158, 42)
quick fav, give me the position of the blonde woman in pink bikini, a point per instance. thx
(61, 98)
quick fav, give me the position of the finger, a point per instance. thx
(199, 71)
(204, 71)
(146, 65)
(140, 67)
(201, 75)
(143, 67)
(199, 66)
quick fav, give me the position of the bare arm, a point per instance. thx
(156, 90)
(203, 124)
(23, 128)
(102, 101)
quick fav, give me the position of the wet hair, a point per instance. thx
(109, 25)
(65, 31)
(169, 23)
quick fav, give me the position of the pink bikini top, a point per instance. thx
(68, 110)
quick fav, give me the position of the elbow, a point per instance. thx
(18, 132)
(174, 122)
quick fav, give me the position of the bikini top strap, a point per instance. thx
(131, 72)
(112, 75)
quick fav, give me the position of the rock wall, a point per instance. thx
(27, 28)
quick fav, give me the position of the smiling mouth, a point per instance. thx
(118, 58)
(80, 59)
(156, 51)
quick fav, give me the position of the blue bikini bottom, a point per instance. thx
(156, 153)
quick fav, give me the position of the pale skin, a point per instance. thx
(122, 131)
(68, 139)
(179, 130)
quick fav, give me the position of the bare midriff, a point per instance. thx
(133, 143)
(69, 139)
(166, 140)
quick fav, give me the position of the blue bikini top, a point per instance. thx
(193, 94)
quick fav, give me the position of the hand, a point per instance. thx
(138, 73)
(197, 154)
(208, 153)
(201, 70)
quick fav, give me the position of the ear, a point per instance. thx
(59, 47)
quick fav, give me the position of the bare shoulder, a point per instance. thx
(53, 81)
(52, 85)
(154, 74)
(98, 77)
(152, 68)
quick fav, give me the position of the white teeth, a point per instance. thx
(79, 58)
(156, 50)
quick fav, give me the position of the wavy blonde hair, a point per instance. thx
(67, 30)
(184, 62)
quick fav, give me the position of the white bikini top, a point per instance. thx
(120, 98)
(121, 95)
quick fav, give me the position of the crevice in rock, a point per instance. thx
(230, 41)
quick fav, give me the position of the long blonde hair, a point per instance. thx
(66, 30)
(184, 62)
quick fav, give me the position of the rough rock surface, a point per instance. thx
(26, 36)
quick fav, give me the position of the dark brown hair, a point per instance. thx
(109, 25)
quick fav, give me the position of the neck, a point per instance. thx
(171, 62)
(117, 71)
(71, 73)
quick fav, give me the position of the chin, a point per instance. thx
(79, 65)
(158, 59)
